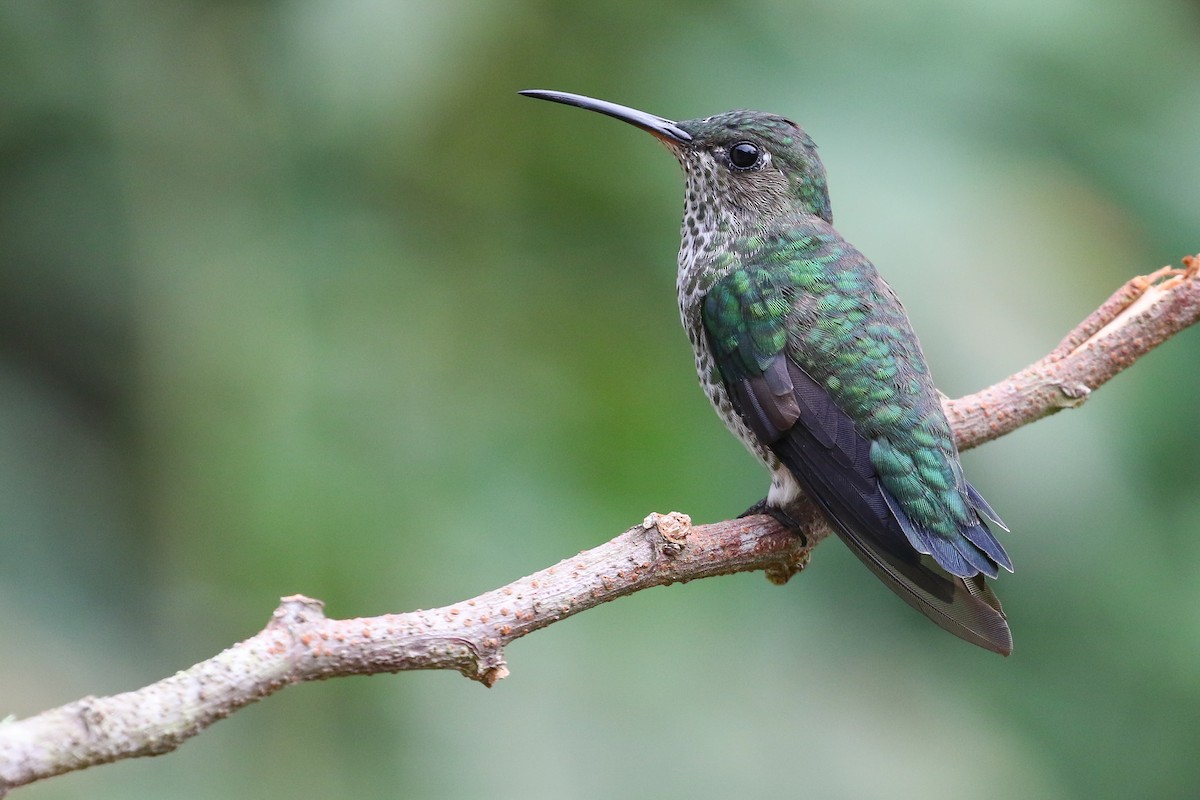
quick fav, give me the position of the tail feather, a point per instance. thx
(965, 607)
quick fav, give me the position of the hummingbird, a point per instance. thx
(810, 360)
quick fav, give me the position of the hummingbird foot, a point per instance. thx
(779, 515)
(780, 573)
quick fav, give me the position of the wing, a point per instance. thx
(831, 460)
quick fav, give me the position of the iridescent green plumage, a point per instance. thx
(808, 296)
(809, 358)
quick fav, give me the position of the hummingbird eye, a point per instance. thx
(744, 155)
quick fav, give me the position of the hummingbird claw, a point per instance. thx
(779, 515)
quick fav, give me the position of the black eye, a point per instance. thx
(744, 155)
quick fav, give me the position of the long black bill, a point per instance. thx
(664, 129)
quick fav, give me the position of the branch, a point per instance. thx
(1139, 316)
(301, 644)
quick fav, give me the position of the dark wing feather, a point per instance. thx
(831, 462)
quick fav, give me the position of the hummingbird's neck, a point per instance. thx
(709, 228)
(704, 234)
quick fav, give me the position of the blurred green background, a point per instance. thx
(302, 297)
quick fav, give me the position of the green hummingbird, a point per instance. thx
(808, 357)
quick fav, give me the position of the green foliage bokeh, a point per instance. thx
(302, 297)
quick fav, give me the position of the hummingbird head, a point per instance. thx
(756, 164)
(747, 164)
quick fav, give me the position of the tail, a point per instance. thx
(966, 607)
